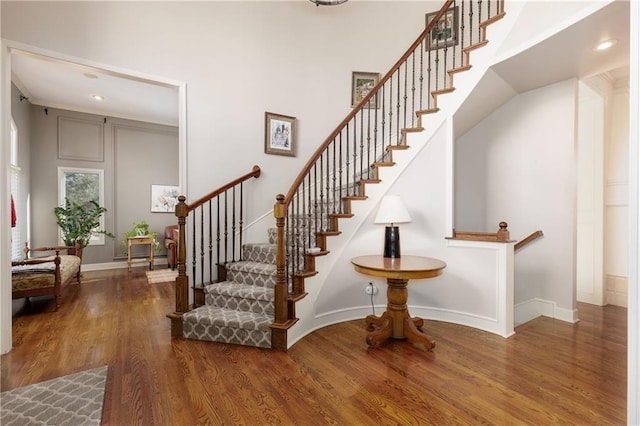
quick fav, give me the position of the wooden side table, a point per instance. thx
(141, 240)
(395, 322)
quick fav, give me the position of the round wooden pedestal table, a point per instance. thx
(395, 322)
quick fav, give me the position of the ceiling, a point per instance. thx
(570, 53)
(567, 54)
(55, 83)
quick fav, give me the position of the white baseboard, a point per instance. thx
(119, 265)
(533, 308)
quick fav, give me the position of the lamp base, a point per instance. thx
(391, 242)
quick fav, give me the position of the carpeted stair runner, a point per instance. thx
(239, 310)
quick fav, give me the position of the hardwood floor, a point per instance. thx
(550, 372)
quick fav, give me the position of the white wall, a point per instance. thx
(590, 205)
(522, 161)
(238, 60)
(616, 261)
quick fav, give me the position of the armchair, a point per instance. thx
(171, 244)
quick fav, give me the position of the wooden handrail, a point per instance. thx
(502, 235)
(365, 101)
(255, 172)
(529, 239)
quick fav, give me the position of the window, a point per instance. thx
(81, 186)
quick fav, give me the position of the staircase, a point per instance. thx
(255, 301)
(240, 309)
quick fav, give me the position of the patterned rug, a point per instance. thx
(161, 276)
(75, 399)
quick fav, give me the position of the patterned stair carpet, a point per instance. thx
(75, 399)
(239, 310)
(161, 276)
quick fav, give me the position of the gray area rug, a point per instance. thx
(72, 400)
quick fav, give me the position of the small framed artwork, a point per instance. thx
(279, 134)
(445, 31)
(361, 84)
(164, 198)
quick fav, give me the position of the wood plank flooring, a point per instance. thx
(550, 372)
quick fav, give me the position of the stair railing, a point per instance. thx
(215, 238)
(360, 143)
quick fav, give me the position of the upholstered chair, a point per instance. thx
(171, 244)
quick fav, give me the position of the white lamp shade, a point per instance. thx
(392, 210)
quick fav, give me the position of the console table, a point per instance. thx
(395, 322)
(141, 240)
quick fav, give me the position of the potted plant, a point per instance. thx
(78, 222)
(140, 229)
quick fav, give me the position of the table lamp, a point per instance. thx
(392, 211)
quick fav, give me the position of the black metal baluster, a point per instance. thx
(328, 183)
(341, 184)
(201, 208)
(355, 154)
(369, 144)
(454, 34)
(315, 198)
(321, 189)
(218, 231)
(462, 27)
(194, 258)
(361, 115)
(383, 119)
(390, 111)
(421, 78)
(479, 20)
(226, 228)
(334, 177)
(233, 224)
(241, 217)
(398, 73)
(429, 96)
(375, 129)
(210, 246)
(471, 42)
(347, 158)
(307, 209)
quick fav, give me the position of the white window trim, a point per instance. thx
(96, 239)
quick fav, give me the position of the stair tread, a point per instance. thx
(211, 315)
(233, 289)
(250, 266)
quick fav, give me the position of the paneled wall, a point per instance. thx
(133, 156)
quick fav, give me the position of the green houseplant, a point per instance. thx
(78, 222)
(140, 229)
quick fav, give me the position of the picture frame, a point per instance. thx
(164, 198)
(361, 84)
(445, 32)
(279, 134)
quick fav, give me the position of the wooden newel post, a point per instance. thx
(503, 232)
(278, 329)
(182, 281)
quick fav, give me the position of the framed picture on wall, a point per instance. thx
(445, 31)
(164, 198)
(361, 84)
(279, 134)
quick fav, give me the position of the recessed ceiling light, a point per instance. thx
(604, 45)
(98, 97)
